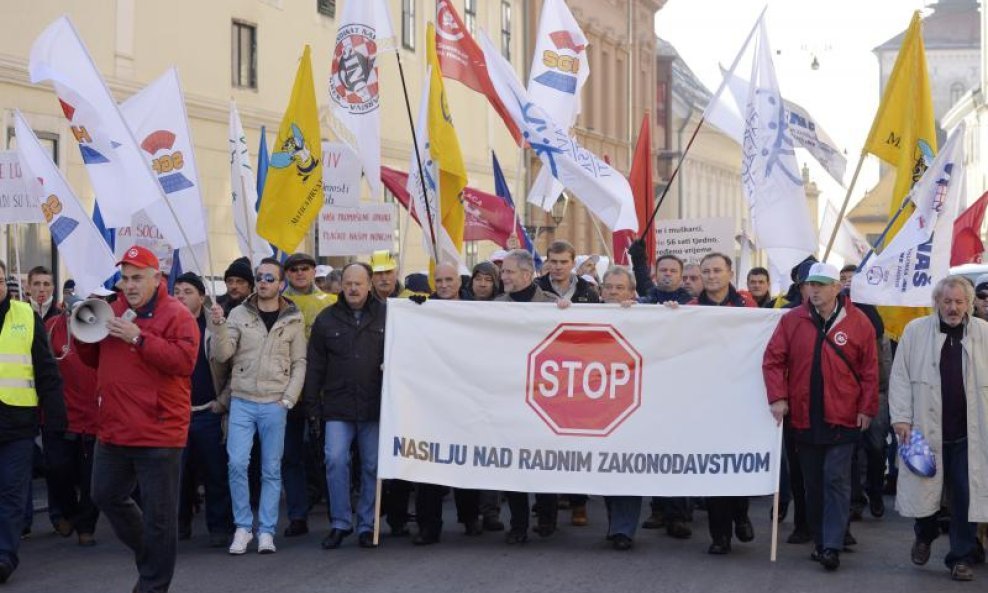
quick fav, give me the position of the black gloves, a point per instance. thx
(637, 248)
(418, 299)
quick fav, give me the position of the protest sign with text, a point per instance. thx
(16, 203)
(356, 231)
(690, 239)
(340, 175)
(594, 399)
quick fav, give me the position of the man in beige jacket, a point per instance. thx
(939, 386)
(264, 341)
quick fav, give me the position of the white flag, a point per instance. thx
(243, 188)
(770, 176)
(848, 243)
(604, 191)
(81, 246)
(365, 31)
(122, 180)
(906, 271)
(157, 117)
(16, 203)
(426, 207)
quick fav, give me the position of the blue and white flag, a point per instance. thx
(600, 188)
(121, 179)
(770, 176)
(906, 271)
(86, 254)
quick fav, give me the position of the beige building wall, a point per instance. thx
(133, 42)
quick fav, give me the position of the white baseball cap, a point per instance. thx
(323, 271)
(498, 255)
(823, 273)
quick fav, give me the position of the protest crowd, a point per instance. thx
(148, 403)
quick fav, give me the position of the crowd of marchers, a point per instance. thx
(192, 407)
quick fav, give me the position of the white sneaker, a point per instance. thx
(265, 544)
(241, 538)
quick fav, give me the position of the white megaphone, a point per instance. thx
(88, 321)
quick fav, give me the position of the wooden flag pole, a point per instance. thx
(418, 161)
(773, 553)
(377, 512)
(843, 207)
(881, 238)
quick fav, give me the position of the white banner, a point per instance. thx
(143, 231)
(690, 239)
(340, 175)
(16, 203)
(593, 399)
(906, 271)
(356, 231)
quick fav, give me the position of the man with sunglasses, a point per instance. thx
(981, 297)
(300, 270)
(264, 341)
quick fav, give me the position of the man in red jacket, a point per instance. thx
(143, 369)
(821, 368)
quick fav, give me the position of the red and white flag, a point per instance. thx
(967, 247)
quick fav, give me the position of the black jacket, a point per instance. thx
(343, 373)
(584, 293)
(18, 422)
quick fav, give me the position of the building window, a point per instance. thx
(506, 29)
(470, 15)
(957, 91)
(244, 55)
(326, 7)
(408, 24)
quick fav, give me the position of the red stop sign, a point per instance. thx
(584, 379)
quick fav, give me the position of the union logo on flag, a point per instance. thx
(353, 82)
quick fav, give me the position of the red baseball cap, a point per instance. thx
(140, 257)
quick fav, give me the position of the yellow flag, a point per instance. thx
(904, 136)
(445, 149)
(293, 189)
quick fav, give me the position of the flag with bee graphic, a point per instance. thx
(293, 189)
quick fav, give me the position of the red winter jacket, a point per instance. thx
(79, 380)
(788, 362)
(145, 391)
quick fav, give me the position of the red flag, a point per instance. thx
(488, 216)
(967, 247)
(461, 59)
(640, 179)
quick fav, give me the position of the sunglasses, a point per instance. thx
(266, 277)
(982, 295)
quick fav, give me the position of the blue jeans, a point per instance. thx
(268, 421)
(293, 468)
(623, 513)
(963, 533)
(339, 436)
(205, 460)
(16, 458)
(827, 476)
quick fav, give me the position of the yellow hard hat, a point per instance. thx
(381, 261)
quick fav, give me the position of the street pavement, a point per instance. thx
(574, 560)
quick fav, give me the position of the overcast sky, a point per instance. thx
(842, 94)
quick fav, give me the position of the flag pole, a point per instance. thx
(843, 207)
(418, 160)
(902, 207)
(703, 119)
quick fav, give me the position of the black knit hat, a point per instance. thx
(240, 268)
(193, 279)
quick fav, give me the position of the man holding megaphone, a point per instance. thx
(143, 368)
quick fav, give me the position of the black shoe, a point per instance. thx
(920, 553)
(961, 572)
(296, 528)
(679, 530)
(516, 537)
(720, 547)
(335, 538)
(493, 523)
(219, 540)
(815, 554)
(744, 530)
(184, 532)
(849, 539)
(366, 540)
(474, 528)
(799, 536)
(400, 530)
(830, 559)
(545, 529)
(877, 507)
(654, 521)
(5, 571)
(426, 538)
(621, 542)
(856, 515)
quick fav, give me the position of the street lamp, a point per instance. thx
(558, 212)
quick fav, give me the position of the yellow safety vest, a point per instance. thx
(16, 368)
